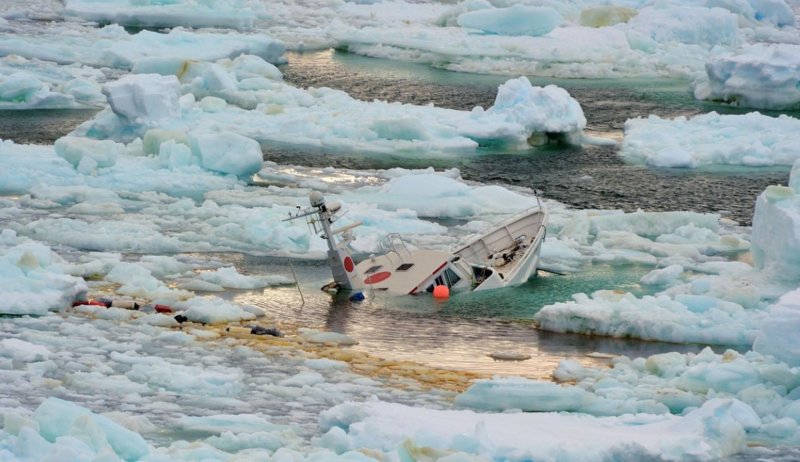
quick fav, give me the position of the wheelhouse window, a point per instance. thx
(452, 277)
(372, 269)
(404, 267)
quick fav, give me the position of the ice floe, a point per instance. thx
(714, 430)
(196, 14)
(753, 140)
(34, 84)
(776, 229)
(246, 96)
(760, 76)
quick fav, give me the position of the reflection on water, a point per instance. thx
(459, 333)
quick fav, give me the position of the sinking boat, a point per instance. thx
(504, 256)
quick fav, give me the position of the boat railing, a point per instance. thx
(475, 238)
(394, 244)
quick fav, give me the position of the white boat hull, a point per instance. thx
(505, 256)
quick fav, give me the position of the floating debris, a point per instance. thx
(508, 356)
(260, 330)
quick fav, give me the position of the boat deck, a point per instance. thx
(401, 272)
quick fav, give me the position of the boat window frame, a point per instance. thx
(404, 267)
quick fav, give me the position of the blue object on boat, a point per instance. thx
(357, 297)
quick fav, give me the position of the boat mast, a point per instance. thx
(341, 262)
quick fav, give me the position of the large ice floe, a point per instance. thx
(753, 140)
(236, 15)
(724, 302)
(764, 76)
(248, 97)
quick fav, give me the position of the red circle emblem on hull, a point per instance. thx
(348, 264)
(377, 277)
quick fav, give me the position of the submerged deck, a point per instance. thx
(401, 272)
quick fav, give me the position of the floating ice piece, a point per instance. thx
(328, 338)
(220, 423)
(501, 394)
(538, 109)
(34, 84)
(777, 336)
(159, 13)
(230, 278)
(137, 281)
(717, 429)
(58, 418)
(684, 381)
(776, 230)
(85, 153)
(144, 99)
(663, 275)
(436, 195)
(190, 380)
(756, 12)
(227, 153)
(678, 319)
(706, 27)
(276, 112)
(112, 46)
(763, 76)
(515, 20)
(752, 140)
(214, 310)
(32, 282)
(20, 350)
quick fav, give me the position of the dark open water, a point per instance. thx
(558, 171)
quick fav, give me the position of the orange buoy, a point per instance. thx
(441, 291)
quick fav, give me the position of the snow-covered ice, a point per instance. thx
(753, 140)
